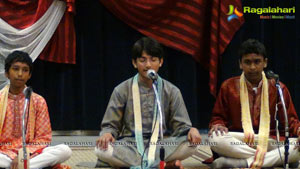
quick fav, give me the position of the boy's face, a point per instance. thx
(253, 64)
(146, 62)
(18, 74)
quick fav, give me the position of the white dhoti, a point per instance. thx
(50, 156)
(231, 145)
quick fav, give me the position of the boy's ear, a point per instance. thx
(6, 74)
(240, 65)
(161, 61)
(134, 63)
(265, 62)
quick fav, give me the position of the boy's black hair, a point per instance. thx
(18, 56)
(149, 45)
(252, 46)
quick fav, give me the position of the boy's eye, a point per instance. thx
(142, 59)
(247, 62)
(257, 61)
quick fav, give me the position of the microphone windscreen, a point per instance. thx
(271, 75)
(152, 74)
(27, 92)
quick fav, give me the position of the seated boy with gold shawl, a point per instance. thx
(18, 69)
(131, 118)
(246, 107)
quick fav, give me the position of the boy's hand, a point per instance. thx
(298, 146)
(103, 141)
(14, 163)
(216, 128)
(194, 136)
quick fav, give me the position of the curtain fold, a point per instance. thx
(31, 39)
(21, 14)
(196, 27)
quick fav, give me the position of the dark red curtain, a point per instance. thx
(197, 27)
(23, 13)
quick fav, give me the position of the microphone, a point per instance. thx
(152, 74)
(27, 92)
(271, 75)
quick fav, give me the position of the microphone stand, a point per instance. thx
(24, 160)
(286, 129)
(162, 150)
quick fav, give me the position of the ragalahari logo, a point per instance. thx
(233, 13)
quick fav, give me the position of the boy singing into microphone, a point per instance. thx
(18, 69)
(132, 118)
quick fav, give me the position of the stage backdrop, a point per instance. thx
(77, 95)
